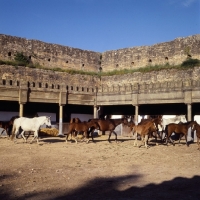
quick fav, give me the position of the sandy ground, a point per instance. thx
(55, 169)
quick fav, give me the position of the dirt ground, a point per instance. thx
(55, 169)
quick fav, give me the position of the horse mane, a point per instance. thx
(75, 120)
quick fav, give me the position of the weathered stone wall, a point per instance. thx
(49, 55)
(46, 79)
(173, 53)
(36, 85)
(53, 55)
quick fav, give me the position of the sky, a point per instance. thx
(100, 25)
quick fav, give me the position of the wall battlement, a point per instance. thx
(64, 57)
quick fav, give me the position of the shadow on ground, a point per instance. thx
(108, 188)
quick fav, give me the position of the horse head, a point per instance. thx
(48, 122)
(125, 121)
(183, 119)
(194, 126)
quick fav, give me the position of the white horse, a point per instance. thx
(29, 124)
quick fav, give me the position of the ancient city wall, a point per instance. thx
(173, 53)
(58, 56)
(49, 55)
(46, 79)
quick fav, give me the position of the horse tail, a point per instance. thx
(13, 131)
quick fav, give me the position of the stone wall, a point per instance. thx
(173, 53)
(46, 79)
(49, 55)
(53, 55)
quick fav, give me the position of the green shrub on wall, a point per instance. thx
(21, 59)
(190, 63)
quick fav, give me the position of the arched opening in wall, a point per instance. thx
(17, 83)
(71, 87)
(28, 84)
(10, 82)
(52, 86)
(49, 59)
(117, 66)
(9, 54)
(40, 85)
(46, 85)
(67, 61)
(4, 82)
(83, 65)
(58, 87)
(33, 84)
(166, 58)
(150, 61)
(87, 89)
(92, 89)
(77, 88)
(82, 89)
(67, 87)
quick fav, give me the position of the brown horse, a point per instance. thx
(144, 130)
(158, 123)
(181, 129)
(196, 128)
(75, 120)
(108, 125)
(81, 127)
(7, 125)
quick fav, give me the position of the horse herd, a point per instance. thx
(158, 127)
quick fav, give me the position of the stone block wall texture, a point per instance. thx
(58, 56)
(49, 55)
(173, 53)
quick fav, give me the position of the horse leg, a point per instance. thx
(87, 136)
(109, 136)
(66, 139)
(75, 135)
(22, 134)
(198, 143)
(115, 135)
(135, 139)
(169, 138)
(186, 140)
(35, 136)
(91, 131)
(146, 141)
(181, 135)
(171, 141)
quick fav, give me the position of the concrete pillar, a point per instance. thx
(21, 109)
(189, 112)
(95, 112)
(60, 120)
(136, 114)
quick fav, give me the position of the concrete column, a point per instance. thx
(95, 112)
(60, 120)
(21, 109)
(136, 114)
(189, 112)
